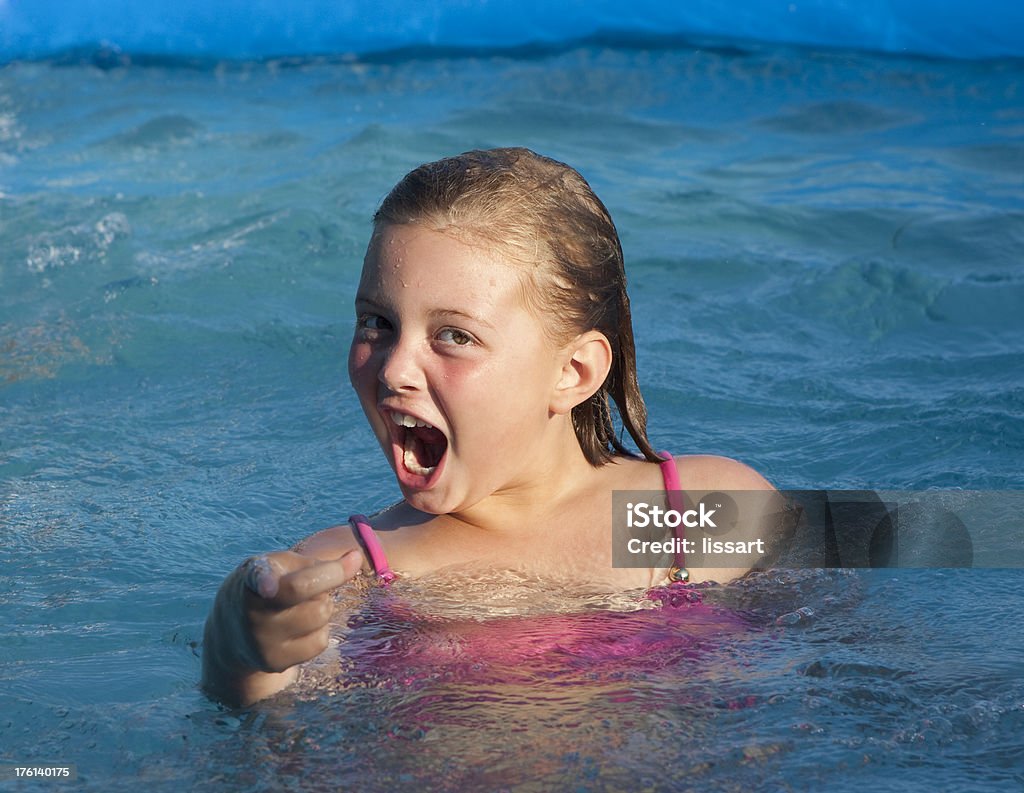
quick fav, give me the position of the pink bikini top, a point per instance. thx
(673, 492)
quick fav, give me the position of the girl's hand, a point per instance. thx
(270, 615)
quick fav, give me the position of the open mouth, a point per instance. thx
(420, 449)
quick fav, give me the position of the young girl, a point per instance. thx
(493, 330)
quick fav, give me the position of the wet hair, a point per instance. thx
(542, 214)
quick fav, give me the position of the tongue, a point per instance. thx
(423, 449)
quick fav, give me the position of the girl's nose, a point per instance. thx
(401, 369)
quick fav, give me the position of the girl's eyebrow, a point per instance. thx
(444, 313)
(361, 298)
(434, 313)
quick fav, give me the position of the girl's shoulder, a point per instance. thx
(712, 472)
(338, 540)
(329, 543)
(697, 472)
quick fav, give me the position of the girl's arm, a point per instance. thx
(705, 474)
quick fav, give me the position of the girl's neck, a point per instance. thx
(538, 497)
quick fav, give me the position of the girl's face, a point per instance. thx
(453, 372)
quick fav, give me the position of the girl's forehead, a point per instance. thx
(392, 237)
(427, 252)
(451, 266)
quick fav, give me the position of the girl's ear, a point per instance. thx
(589, 357)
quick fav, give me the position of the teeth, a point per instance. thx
(404, 420)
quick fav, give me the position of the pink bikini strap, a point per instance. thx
(674, 495)
(373, 547)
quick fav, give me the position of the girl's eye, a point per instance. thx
(373, 322)
(455, 336)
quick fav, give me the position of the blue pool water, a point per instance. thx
(824, 257)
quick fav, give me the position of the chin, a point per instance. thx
(429, 502)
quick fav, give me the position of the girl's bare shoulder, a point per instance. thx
(329, 543)
(712, 472)
(333, 542)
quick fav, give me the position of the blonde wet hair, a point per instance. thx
(542, 214)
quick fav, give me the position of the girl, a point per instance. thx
(493, 331)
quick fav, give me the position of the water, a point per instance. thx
(823, 251)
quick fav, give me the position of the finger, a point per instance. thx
(263, 573)
(316, 579)
(260, 577)
(297, 650)
(276, 626)
(352, 561)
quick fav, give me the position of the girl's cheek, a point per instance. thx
(467, 369)
(359, 356)
(463, 380)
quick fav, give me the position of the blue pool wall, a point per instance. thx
(244, 29)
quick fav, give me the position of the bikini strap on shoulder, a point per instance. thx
(372, 546)
(673, 489)
(674, 496)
